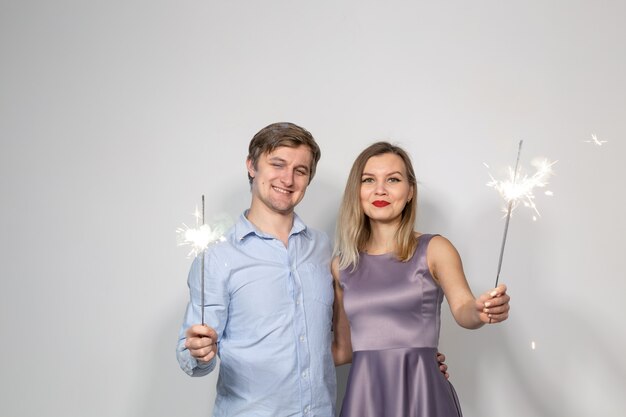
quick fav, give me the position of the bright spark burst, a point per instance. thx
(533, 345)
(595, 140)
(200, 237)
(519, 189)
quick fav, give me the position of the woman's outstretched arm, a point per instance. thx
(469, 312)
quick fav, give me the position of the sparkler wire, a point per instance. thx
(202, 269)
(508, 215)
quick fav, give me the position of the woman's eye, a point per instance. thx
(394, 179)
(367, 180)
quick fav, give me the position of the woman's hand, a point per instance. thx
(493, 306)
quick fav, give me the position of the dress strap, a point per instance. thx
(422, 245)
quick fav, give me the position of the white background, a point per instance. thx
(115, 116)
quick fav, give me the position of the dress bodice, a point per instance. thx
(392, 304)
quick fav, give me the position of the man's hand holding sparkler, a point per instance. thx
(493, 306)
(201, 342)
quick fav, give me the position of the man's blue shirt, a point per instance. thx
(271, 307)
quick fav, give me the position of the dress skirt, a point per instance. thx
(398, 382)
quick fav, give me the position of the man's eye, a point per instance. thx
(301, 172)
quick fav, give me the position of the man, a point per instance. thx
(268, 294)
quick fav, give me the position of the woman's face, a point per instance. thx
(385, 188)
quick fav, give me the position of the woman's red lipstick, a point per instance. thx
(381, 203)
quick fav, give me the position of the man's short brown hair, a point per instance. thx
(282, 134)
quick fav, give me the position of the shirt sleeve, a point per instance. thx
(216, 300)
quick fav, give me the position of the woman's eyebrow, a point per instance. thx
(388, 175)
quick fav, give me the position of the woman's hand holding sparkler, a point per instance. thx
(201, 342)
(493, 305)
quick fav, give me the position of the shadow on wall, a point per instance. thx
(574, 369)
(320, 206)
(342, 379)
(166, 390)
(569, 373)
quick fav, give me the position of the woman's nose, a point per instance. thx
(381, 188)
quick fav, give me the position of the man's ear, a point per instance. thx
(250, 167)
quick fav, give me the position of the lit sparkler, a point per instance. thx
(515, 190)
(199, 239)
(595, 140)
(518, 188)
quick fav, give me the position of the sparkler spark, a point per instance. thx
(202, 235)
(595, 140)
(519, 187)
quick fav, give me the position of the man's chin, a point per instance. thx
(284, 208)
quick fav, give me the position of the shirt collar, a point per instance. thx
(244, 228)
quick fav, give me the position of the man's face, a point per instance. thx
(281, 178)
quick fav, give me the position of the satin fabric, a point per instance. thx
(394, 309)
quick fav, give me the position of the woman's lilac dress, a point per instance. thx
(394, 311)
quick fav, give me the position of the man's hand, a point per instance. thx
(442, 366)
(201, 342)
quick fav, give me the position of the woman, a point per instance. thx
(389, 285)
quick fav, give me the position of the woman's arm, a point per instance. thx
(342, 346)
(447, 269)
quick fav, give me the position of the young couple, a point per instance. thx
(282, 310)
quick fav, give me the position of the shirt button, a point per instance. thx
(297, 302)
(304, 374)
(306, 410)
(302, 338)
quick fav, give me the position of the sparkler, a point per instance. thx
(595, 140)
(511, 200)
(519, 189)
(199, 238)
(202, 268)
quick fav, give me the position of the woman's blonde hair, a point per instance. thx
(353, 226)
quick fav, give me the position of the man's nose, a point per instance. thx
(287, 177)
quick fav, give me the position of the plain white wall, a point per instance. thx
(115, 116)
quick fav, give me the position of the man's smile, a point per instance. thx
(281, 190)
